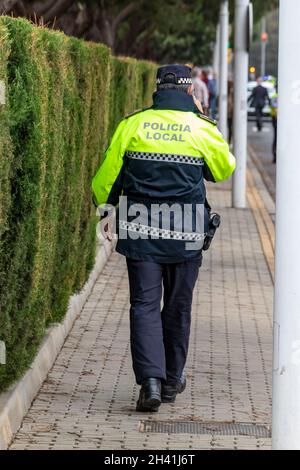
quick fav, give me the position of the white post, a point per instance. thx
(263, 48)
(241, 60)
(223, 70)
(286, 362)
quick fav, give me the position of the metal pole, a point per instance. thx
(241, 59)
(263, 48)
(223, 71)
(286, 361)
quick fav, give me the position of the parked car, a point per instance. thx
(271, 89)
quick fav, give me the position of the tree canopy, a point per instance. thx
(173, 30)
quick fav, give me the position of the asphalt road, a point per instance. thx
(261, 142)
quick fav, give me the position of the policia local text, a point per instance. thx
(177, 130)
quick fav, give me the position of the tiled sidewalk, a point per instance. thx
(88, 400)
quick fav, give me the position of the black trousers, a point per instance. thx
(160, 337)
(259, 115)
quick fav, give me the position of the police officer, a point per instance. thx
(258, 99)
(158, 158)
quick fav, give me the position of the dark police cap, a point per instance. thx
(177, 74)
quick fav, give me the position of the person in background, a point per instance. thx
(212, 89)
(258, 99)
(200, 90)
(230, 110)
(204, 77)
(274, 109)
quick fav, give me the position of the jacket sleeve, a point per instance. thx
(107, 183)
(219, 163)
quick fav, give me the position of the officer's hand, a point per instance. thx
(198, 104)
(106, 228)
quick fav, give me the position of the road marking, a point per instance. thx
(265, 176)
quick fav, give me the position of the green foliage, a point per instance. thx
(63, 99)
(170, 31)
(175, 31)
(261, 7)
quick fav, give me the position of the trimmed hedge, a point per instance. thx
(132, 87)
(64, 98)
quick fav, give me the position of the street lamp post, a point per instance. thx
(286, 360)
(263, 46)
(241, 59)
(223, 69)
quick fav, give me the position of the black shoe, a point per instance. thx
(150, 395)
(169, 392)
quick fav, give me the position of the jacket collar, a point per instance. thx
(175, 100)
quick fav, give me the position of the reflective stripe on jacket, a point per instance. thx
(274, 105)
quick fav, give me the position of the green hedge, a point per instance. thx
(63, 99)
(132, 87)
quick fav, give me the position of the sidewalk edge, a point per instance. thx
(15, 403)
(270, 186)
(262, 205)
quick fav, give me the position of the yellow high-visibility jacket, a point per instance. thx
(162, 155)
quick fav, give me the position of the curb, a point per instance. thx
(15, 403)
(262, 204)
(264, 175)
